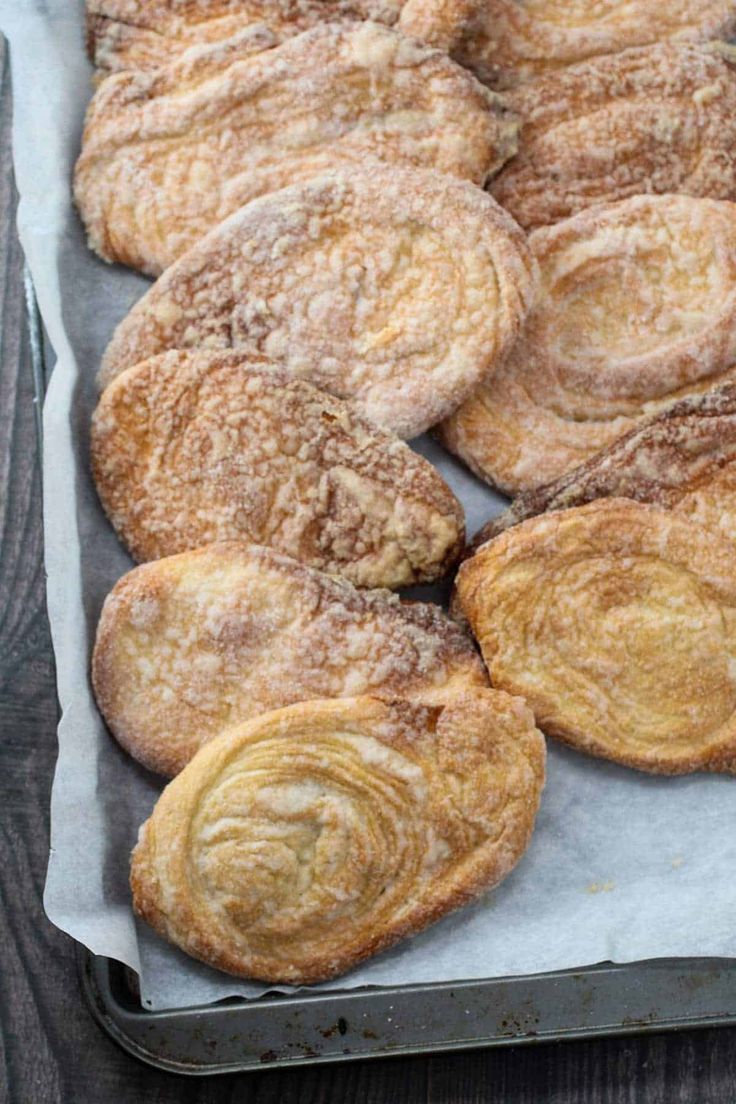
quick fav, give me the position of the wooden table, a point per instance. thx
(51, 1050)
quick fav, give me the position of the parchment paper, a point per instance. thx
(622, 866)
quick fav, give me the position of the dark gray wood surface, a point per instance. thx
(51, 1052)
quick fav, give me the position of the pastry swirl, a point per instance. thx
(191, 644)
(190, 448)
(684, 459)
(399, 288)
(507, 42)
(148, 34)
(168, 155)
(637, 309)
(616, 621)
(304, 841)
(654, 119)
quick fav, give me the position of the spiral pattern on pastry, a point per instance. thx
(617, 622)
(507, 42)
(637, 309)
(302, 842)
(168, 155)
(398, 288)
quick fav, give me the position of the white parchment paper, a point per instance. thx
(622, 866)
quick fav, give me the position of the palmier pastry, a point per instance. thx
(617, 622)
(654, 119)
(301, 842)
(168, 155)
(683, 460)
(193, 447)
(637, 309)
(398, 288)
(510, 41)
(147, 34)
(191, 644)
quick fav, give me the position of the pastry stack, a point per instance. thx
(512, 225)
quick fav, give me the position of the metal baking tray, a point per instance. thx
(286, 1030)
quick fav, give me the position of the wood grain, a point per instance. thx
(51, 1052)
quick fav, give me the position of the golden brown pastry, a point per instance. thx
(637, 309)
(683, 460)
(167, 155)
(146, 34)
(617, 622)
(653, 119)
(194, 447)
(304, 841)
(399, 288)
(194, 643)
(507, 42)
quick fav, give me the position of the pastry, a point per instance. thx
(616, 621)
(507, 42)
(194, 447)
(637, 309)
(167, 155)
(653, 119)
(306, 840)
(684, 459)
(147, 34)
(194, 643)
(398, 288)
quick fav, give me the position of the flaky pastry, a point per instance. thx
(193, 447)
(306, 840)
(147, 34)
(617, 623)
(637, 309)
(683, 459)
(194, 643)
(396, 287)
(653, 119)
(510, 41)
(168, 155)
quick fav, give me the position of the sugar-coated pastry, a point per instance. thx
(683, 459)
(167, 155)
(147, 34)
(191, 644)
(652, 119)
(301, 842)
(507, 42)
(396, 287)
(637, 309)
(616, 621)
(193, 447)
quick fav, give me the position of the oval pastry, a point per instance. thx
(306, 840)
(637, 309)
(655, 119)
(146, 34)
(617, 622)
(510, 41)
(395, 287)
(189, 448)
(683, 460)
(166, 156)
(189, 645)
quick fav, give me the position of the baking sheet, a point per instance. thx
(622, 867)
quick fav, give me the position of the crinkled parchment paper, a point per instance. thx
(622, 866)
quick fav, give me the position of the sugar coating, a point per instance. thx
(301, 842)
(507, 43)
(191, 447)
(637, 310)
(396, 287)
(191, 644)
(167, 155)
(653, 119)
